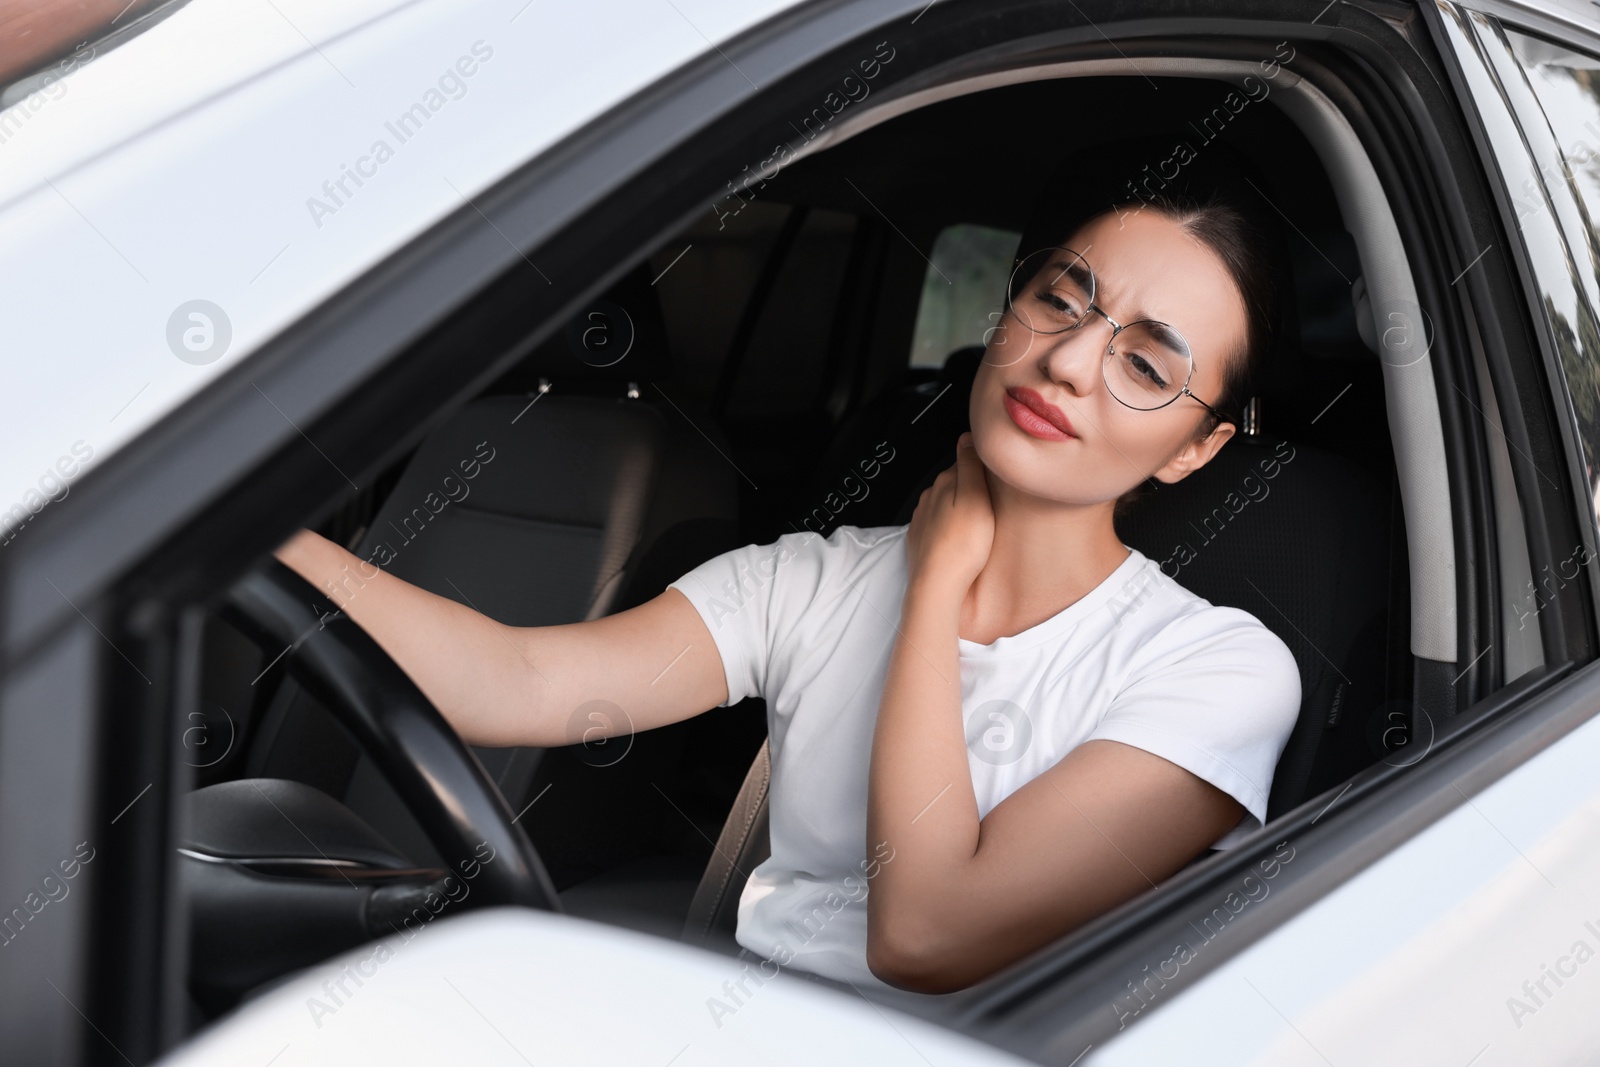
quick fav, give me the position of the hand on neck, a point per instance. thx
(1046, 556)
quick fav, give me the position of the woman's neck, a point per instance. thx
(1045, 557)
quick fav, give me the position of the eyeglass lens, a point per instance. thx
(1147, 363)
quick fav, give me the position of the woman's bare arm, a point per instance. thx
(524, 685)
(965, 896)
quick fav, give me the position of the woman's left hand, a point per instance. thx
(952, 528)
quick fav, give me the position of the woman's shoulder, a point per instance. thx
(845, 540)
(804, 562)
(1187, 624)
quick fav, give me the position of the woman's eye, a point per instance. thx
(1065, 305)
(1147, 369)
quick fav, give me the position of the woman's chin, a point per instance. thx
(1021, 471)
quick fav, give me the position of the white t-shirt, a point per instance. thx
(809, 624)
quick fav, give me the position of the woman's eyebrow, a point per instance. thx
(1164, 335)
(1100, 289)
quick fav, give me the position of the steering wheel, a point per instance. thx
(279, 874)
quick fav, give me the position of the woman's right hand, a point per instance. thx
(524, 685)
(952, 528)
(292, 551)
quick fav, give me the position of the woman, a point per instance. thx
(991, 725)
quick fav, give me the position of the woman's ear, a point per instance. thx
(1194, 455)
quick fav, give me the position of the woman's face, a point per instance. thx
(1145, 267)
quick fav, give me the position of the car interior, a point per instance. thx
(799, 358)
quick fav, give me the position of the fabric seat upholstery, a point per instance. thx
(535, 508)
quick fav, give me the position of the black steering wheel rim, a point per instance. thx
(417, 752)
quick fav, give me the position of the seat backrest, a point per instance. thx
(1302, 539)
(525, 508)
(885, 453)
(548, 500)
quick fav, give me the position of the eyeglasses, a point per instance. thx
(1147, 364)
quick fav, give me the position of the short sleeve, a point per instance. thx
(1218, 695)
(745, 596)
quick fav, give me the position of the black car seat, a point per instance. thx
(887, 451)
(565, 493)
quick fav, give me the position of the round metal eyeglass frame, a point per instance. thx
(1116, 328)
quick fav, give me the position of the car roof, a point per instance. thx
(203, 160)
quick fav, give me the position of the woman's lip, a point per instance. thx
(1036, 415)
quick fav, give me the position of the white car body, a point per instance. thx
(201, 159)
(513, 986)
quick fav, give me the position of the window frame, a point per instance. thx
(1505, 156)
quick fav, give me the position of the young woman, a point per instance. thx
(993, 724)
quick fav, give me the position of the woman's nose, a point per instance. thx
(1073, 358)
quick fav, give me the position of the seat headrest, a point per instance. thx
(961, 367)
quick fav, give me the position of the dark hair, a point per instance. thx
(1215, 197)
(1211, 196)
